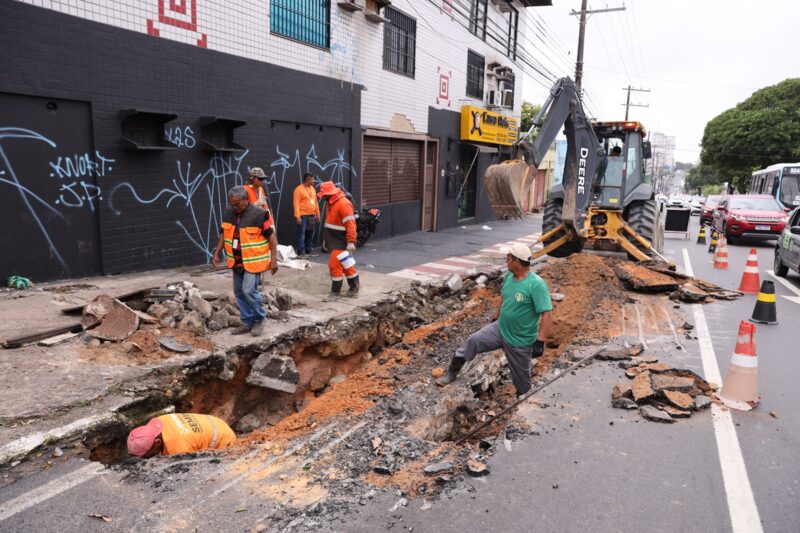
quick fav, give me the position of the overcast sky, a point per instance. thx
(698, 57)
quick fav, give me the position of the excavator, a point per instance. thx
(604, 201)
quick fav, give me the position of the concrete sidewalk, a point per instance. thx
(48, 392)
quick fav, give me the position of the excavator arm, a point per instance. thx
(508, 183)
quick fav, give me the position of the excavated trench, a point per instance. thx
(350, 364)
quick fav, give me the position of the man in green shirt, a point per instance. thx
(520, 326)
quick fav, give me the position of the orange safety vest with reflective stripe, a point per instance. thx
(189, 432)
(340, 222)
(253, 244)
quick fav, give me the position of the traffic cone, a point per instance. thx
(701, 237)
(765, 311)
(740, 387)
(713, 246)
(750, 280)
(721, 255)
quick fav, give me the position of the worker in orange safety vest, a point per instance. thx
(180, 433)
(340, 236)
(257, 193)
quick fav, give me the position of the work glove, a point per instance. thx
(351, 247)
(538, 348)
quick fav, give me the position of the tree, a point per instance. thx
(528, 113)
(761, 131)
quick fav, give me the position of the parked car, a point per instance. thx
(707, 212)
(749, 215)
(696, 205)
(677, 201)
(787, 249)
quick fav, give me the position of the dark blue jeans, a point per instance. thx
(305, 234)
(248, 298)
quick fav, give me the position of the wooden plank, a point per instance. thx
(78, 309)
(58, 339)
(46, 334)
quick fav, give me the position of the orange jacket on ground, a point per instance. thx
(305, 201)
(340, 222)
(188, 432)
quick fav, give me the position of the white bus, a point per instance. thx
(781, 181)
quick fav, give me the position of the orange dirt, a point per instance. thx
(411, 475)
(437, 372)
(149, 350)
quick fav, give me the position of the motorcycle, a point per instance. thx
(366, 225)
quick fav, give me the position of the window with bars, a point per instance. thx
(513, 28)
(307, 21)
(399, 42)
(477, 18)
(475, 65)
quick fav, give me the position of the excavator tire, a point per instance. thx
(642, 218)
(552, 218)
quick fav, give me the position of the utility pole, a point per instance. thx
(582, 34)
(628, 104)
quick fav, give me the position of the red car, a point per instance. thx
(707, 211)
(749, 215)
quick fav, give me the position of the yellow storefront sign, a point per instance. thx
(481, 125)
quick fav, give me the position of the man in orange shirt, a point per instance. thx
(340, 235)
(306, 213)
(180, 433)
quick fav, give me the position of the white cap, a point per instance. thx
(518, 250)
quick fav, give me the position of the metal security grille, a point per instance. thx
(399, 43)
(477, 18)
(513, 26)
(307, 21)
(475, 66)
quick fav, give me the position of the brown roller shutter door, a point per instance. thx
(392, 170)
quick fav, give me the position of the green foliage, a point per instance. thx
(711, 189)
(761, 131)
(528, 113)
(683, 166)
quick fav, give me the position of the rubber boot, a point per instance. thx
(336, 288)
(452, 372)
(354, 285)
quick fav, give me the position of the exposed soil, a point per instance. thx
(141, 347)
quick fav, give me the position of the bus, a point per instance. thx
(781, 181)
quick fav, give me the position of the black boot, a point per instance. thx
(452, 372)
(354, 285)
(336, 288)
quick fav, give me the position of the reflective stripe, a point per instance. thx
(352, 276)
(349, 217)
(746, 361)
(216, 432)
(751, 270)
(768, 298)
(337, 279)
(334, 226)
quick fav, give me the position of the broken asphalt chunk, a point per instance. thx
(276, 372)
(655, 415)
(441, 467)
(701, 402)
(172, 344)
(641, 388)
(114, 320)
(476, 468)
(624, 403)
(621, 390)
(680, 400)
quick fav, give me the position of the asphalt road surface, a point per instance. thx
(588, 467)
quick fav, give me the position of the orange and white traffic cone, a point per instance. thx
(740, 388)
(750, 283)
(721, 255)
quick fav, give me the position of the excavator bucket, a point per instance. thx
(507, 185)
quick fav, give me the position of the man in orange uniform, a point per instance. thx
(340, 235)
(250, 249)
(180, 433)
(256, 192)
(306, 213)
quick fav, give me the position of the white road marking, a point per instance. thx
(741, 503)
(785, 283)
(48, 490)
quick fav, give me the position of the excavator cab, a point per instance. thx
(622, 169)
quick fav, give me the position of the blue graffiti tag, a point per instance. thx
(210, 184)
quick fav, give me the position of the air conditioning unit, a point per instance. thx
(493, 99)
(502, 5)
(502, 73)
(508, 98)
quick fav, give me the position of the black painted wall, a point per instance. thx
(90, 205)
(446, 126)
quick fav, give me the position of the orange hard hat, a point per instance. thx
(327, 188)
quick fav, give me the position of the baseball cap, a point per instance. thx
(518, 250)
(326, 188)
(257, 172)
(141, 439)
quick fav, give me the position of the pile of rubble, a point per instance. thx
(653, 276)
(660, 393)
